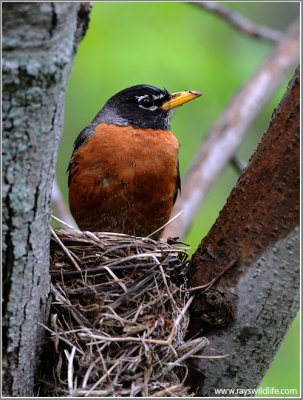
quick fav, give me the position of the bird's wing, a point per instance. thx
(178, 184)
(81, 138)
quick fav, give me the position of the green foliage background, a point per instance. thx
(179, 46)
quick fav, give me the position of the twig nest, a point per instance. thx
(119, 315)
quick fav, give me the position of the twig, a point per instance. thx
(169, 390)
(65, 249)
(226, 136)
(203, 342)
(60, 337)
(70, 367)
(180, 316)
(212, 357)
(69, 226)
(120, 283)
(102, 378)
(165, 225)
(209, 284)
(100, 393)
(96, 271)
(239, 22)
(87, 374)
(173, 302)
(101, 339)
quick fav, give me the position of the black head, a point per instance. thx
(142, 106)
(138, 106)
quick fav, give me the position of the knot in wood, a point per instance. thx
(213, 307)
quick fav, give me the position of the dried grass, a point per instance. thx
(118, 317)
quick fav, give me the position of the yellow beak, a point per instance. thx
(177, 99)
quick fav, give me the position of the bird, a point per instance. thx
(123, 175)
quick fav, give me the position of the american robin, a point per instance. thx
(123, 173)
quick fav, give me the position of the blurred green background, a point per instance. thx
(179, 46)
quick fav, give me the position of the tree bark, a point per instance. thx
(256, 298)
(39, 44)
(268, 299)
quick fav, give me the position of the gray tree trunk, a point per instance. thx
(269, 299)
(39, 44)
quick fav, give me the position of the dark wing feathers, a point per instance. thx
(178, 184)
(83, 135)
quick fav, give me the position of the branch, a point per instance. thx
(264, 204)
(262, 209)
(239, 22)
(227, 134)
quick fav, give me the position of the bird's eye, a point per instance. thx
(147, 102)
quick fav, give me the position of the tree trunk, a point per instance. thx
(268, 300)
(39, 44)
(248, 300)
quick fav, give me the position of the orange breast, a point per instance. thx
(123, 180)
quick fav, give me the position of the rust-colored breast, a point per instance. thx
(123, 180)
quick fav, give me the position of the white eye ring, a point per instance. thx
(141, 99)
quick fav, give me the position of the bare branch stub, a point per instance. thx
(262, 208)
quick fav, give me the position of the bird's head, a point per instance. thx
(143, 106)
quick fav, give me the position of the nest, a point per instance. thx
(119, 315)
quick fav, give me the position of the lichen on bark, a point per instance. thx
(39, 42)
